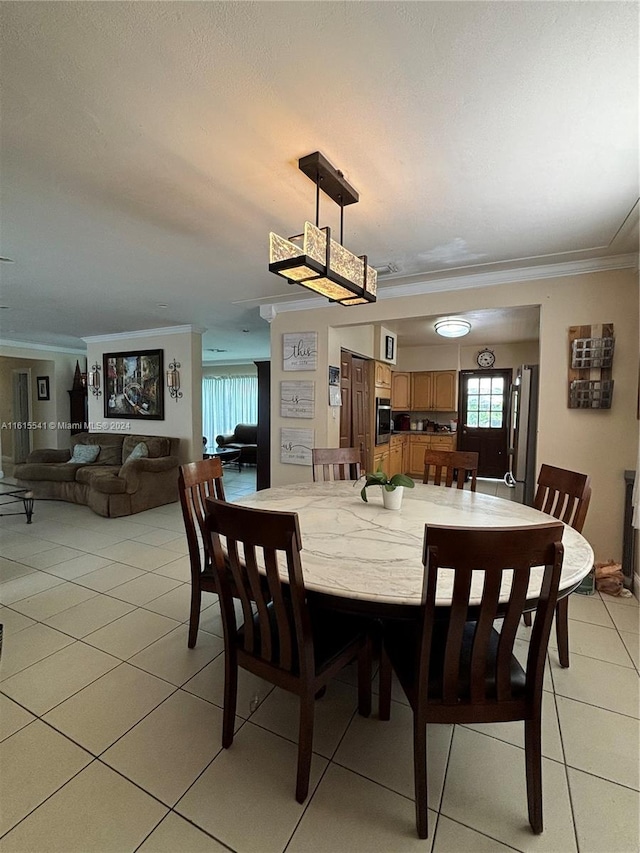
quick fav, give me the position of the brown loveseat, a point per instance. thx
(243, 438)
(113, 485)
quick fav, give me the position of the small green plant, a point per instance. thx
(379, 478)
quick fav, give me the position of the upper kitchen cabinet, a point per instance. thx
(401, 391)
(382, 376)
(445, 383)
(422, 391)
(425, 391)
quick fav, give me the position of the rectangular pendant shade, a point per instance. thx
(321, 264)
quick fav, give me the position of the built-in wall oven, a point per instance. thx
(383, 420)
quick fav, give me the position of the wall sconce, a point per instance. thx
(173, 380)
(93, 380)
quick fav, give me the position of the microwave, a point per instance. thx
(383, 420)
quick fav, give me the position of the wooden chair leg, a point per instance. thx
(527, 619)
(364, 681)
(194, 616)
(420, 776)
(305, 745)
(562, 630)
(230, 698)
(385, 672)
(533, 761)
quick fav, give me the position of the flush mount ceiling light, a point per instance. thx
(452, 327)
(316, 261)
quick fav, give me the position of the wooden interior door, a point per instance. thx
(483, 413)
(355, 413)
(345, 394)
(360, 408)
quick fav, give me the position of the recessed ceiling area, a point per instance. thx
(488, 326)
(148, 149)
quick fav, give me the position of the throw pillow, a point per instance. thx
(140, 451)
(85, 453)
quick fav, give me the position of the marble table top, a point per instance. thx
(362, 551)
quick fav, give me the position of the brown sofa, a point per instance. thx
(243, 438)
(111, 486)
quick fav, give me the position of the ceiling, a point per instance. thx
(149, 148)
(489, 326)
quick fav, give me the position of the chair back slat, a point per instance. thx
(269, 543)
(509, 629)
(198, 481)
(483, 635)
(336, 463)
(505, 557)
(455, 635)
(240, 584)
(563, 494)
(450, 464)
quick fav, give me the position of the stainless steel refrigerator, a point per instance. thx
(523, 433)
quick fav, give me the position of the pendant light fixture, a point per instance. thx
(313, 259)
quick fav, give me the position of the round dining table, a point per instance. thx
(361, 556)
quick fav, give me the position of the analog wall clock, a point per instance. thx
(486, 358)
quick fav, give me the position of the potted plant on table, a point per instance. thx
(392, 487)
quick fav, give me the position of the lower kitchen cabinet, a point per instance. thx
(419, 443)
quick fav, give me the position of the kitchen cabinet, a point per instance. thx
(422, 391)
(429, 391)
(396, 455)
(381, 459)
(401, 391)
(419, 443)
(445, 385)
(382, 376)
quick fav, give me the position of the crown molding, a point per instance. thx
(43, 347)
(145, 333)
(269, 311)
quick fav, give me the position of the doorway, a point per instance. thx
(355, 412)
(483, 410)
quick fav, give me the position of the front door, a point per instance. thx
(483, 418)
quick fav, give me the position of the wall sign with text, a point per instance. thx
(300, 351)
(295, 446)
(297, 399)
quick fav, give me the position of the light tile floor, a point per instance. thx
(110, 727)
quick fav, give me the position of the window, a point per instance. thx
(485, 402)
(227, 401)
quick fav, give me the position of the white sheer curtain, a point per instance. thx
(227, 401)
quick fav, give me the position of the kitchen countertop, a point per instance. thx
(422, 432)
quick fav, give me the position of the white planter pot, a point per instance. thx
(392, 499)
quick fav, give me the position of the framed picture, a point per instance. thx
(389, 347)
(43, 387)
(134, 386)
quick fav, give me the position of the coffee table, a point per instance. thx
(226, 455)
(10, 494)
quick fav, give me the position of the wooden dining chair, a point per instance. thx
(196, 482)
(449, 465)
(336, 463)
(283, 639)
(564, 495)
(453, 666)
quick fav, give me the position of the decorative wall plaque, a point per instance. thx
(295, 446)
(300, 351)
(297, 399)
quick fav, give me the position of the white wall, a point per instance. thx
(602, 443)
(182, 417)
(59, 366)
(248, 369)
(460, 356)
